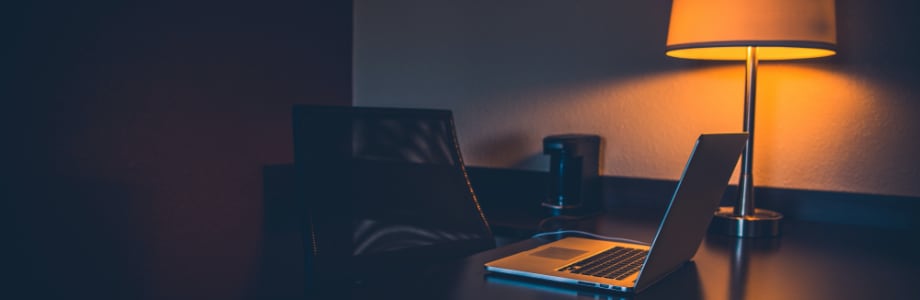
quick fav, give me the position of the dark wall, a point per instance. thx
(135, 135)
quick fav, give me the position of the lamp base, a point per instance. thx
(764, 223)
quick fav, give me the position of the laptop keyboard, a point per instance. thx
(615, 263)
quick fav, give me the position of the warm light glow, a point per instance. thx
(740, 53)
(780, 29)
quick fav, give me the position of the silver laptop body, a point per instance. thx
(683, 227)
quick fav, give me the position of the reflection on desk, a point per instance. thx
(810, 261)
(685, 284)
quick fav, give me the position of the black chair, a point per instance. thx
(386, 192)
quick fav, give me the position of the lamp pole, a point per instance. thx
(745, 205)
(744, 219)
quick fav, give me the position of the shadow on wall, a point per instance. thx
(493, 47)
(511, 145)
(513, 71)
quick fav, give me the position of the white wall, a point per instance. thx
(515, 71)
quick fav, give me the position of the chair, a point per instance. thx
(385, 189)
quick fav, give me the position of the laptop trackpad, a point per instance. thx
(559, 253)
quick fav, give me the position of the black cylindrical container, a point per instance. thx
(574, 180)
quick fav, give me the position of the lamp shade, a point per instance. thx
(780, 29)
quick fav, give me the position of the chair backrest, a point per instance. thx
(385, 189)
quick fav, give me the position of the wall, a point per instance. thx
(135, 136)
(515, 71)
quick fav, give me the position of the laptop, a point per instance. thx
(628, 267)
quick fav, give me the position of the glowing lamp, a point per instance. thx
(750, 30)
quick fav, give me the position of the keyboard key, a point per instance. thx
(615, 263)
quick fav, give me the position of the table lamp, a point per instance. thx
(750, 30)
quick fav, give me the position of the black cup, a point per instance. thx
(573, 185)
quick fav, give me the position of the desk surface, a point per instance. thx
(810, 261)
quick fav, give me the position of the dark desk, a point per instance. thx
(810, 261)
